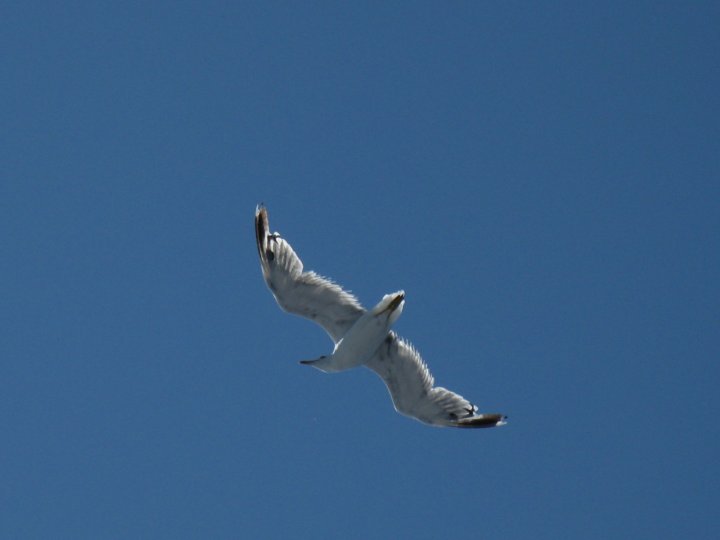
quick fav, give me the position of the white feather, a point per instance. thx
(396, 361)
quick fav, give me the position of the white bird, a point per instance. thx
(362, 337)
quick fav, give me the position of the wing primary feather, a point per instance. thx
(302, 293)
(260, 220)
(411, 387)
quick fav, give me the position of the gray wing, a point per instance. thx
(413, 392)
(303, 293)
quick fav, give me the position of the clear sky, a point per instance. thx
(542, 179)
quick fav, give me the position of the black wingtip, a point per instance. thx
(261, 227)
(482, 421)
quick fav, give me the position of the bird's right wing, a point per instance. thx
(410, 384)
(304, 293)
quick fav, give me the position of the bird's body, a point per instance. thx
(362, 338)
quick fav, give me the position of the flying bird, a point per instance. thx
(362, 337)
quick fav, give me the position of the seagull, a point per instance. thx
(362, 337)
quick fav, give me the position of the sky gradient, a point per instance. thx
(541, 179)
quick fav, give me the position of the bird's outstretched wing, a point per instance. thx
(411, 388)
(304, 293)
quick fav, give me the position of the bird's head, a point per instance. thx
(323, 364)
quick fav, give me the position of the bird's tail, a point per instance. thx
(393, 304)
(390, 302)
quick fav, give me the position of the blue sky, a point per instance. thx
(541, 179)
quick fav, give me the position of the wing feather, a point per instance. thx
(303, 293)
(411, 387)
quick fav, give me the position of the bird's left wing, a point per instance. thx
(410, 384)
(304, 293)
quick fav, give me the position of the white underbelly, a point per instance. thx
(360, 342)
